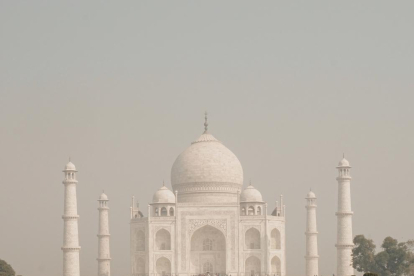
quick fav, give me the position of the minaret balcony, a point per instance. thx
(71, 248)
(344, 245)
(70, 217)
(347, 213)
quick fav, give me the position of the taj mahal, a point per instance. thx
(207, 224)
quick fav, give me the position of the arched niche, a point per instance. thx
(163, 240)
(252, 239)
(252, 266)
(275, 239)
(275, 267)
(163, 266)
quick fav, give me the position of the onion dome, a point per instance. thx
(251, 194)
(163, 195)
(343, 163)
(207, 171)
(103, 196)
(311, 195)
(70, 167)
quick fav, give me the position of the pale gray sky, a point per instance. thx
(121, 87)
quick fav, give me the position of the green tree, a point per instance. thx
(395, 259)
(363, 254)
(370, 274)
(6, 269)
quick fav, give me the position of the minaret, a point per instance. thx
(70, 217)
(104, 258)
(312, 257)
(344, 242)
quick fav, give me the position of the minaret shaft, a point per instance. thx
(344, 243)
(70, 217)
(312, 257)
(104, 258)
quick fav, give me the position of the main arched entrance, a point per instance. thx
(208, 251)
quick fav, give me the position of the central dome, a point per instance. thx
(207, 171)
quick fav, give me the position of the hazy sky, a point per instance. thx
(121, 87)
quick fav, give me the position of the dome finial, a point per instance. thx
(343, 155)
(205, 122)
(163, 184)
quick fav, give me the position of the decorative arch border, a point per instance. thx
(158, 228)
(167, 256)
(272, 255)
(195, 224)
(248, 227)
(253, 254)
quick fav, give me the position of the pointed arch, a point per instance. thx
(275, 239)
(163, 240)
(208, 251)
(163, 266)
(252, 266)
(252, 239)
(275, 266)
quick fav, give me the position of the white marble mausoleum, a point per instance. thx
(208, 222)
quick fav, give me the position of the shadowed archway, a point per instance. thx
(208, 251)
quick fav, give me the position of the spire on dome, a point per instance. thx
(205, 122)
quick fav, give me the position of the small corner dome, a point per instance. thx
(311, 195)
(251, 194)
(343, 163)
(103, 196)
(70, 167)
(163, 195)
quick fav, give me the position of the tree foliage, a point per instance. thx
(6, 269)
(395, 259)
